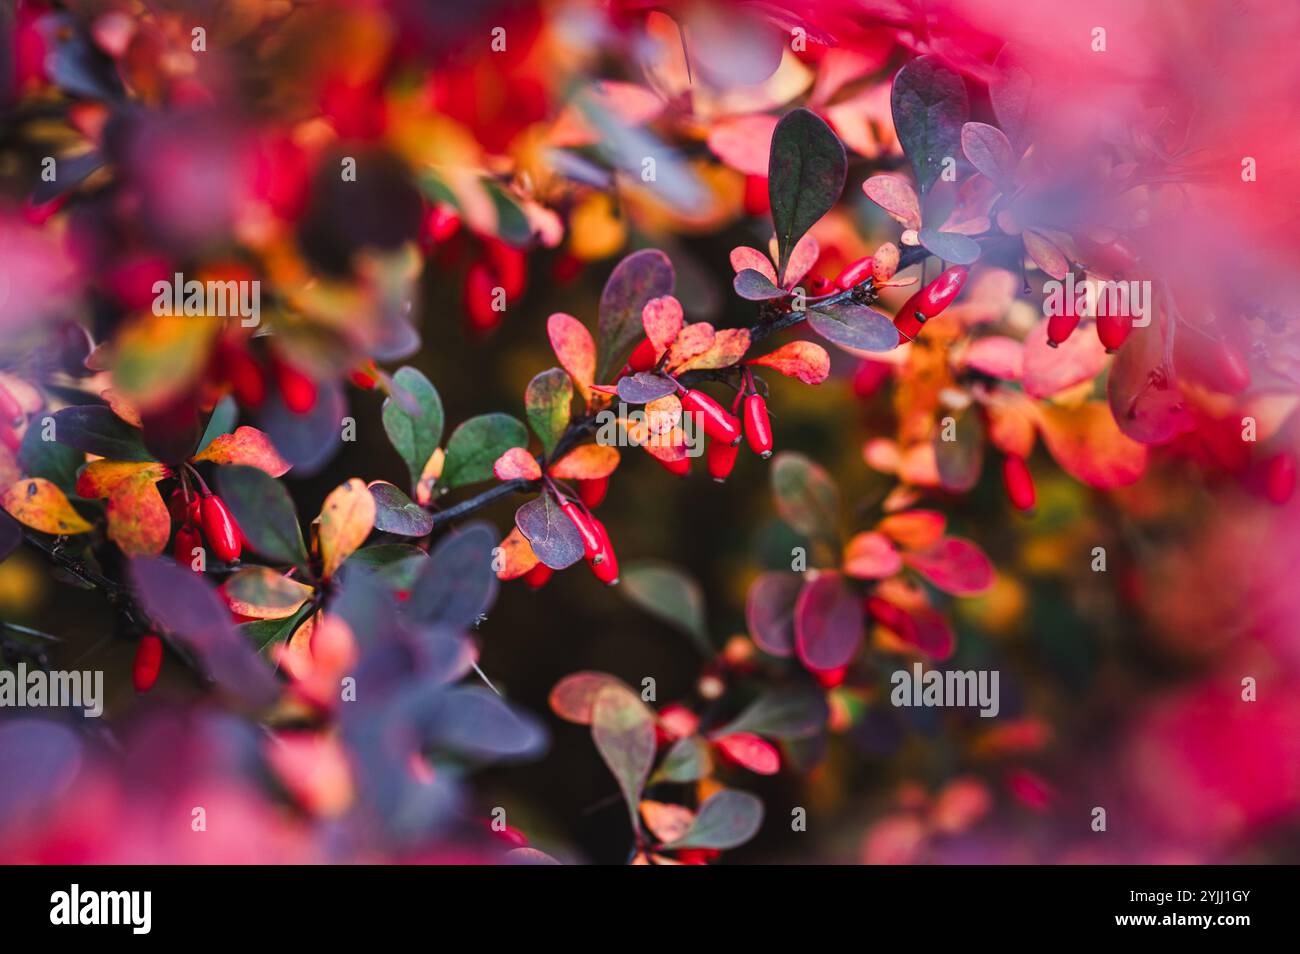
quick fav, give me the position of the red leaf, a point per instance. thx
(750, 751)
(804, 360)
(827, 623)
(954, 565)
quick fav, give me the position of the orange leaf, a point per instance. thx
(1011, 422)
(516, 462)
(666, 822)
(346, 520)
(896, 196)
(692, 340)
(804, 360)
(575, 349)
(1045, 254)
(1089, 445)
(588, 462)
(41, 505)
(247, 445)
(870, 556)
(516, 556)
(663, 414)
(803, 257)
(138, 521)
(662, 319)
(914, 529)
(729, 346)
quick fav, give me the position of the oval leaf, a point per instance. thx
(930, 106)
(806, 497)
(548, 402)
(827, 623)
(624, 732)
(769, 612)
(854, 327)
(346, 519)
(415, 430)
(551, 534)
(265, 513)
(806, 170)
(397, 513)
(727, 819)
(475, 446)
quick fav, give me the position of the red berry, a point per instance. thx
(538, 576)
(148, 661)
(929, 302)
(297, 389)
(717, 422)
(1019, 483)
(592, 492)
(869, 377)
(480, 293)
(245, 376)
(758, 428)
(605, 565)
(819, 286)
(187, 539)
(586, 529)
(1113, 330)
(1279, 478)
(441, 223)
(365, 376)
(756, 197)
(183, 512)
(721, 459)
(831, 678)
(220, 529)
(854, 274)
(680, 467)
(643, 357)
(1060, 327)
(510, 265)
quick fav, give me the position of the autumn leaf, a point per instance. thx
(346, 519)
(516, 464)
(588, 462)
(515, 556)
(39, 504)
(804, 360)
(548, 403)
(575, 349)
(662, 319)
(264, 593)
(870, 556)
(247, 446)
(728, 347)
(1089, 445)
(138, 521)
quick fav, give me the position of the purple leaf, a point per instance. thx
(644, 387)
(624, 732)
(755, 286)
(726, 820)
(950, 246)
(553, 536)
(769, 611)
(457, 585)
(853, 326)
(643, 275)
(827, 623)
(929, 104)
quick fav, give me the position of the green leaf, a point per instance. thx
(57, 463)
(929, 105)
(792, 712)
(265, 513)
(726, 820)
(664, 591)
(221, 422)
(548, 401)
(624, 732)
(397, 513)
(688, 760)
(414, 436)
(806, 497)
(95, 429)
(512, 222)
(475, 446)
(805, 176)
(263, 633)
(853, 326)
(641, 276)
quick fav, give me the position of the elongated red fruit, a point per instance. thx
(187, 538)
(219, 528)
(721, 459)
(718, 423)
(1279, 478)
(756, 198)
(606, 567)
(891, 617)
(592, 492)
(297, 389)
(148, 662)
(859, 271)
(586, 529)
(929, 302)
(1113, 330)
(869, 377)
(245, 376)
(538, 576)
(1019, 483)
(758, 427)
(643, 356)
(1060, 327)
(680, 467)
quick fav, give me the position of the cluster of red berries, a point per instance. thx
(723, 450)
(597, 549)
(204, 516)
(498, 265)
(929, 302)
(247, 376)
(1113, 330)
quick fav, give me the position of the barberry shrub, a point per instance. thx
(253, 403)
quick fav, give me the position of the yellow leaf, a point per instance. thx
(138, 521)
(41, 505)
(345, 521)
(262, 593)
